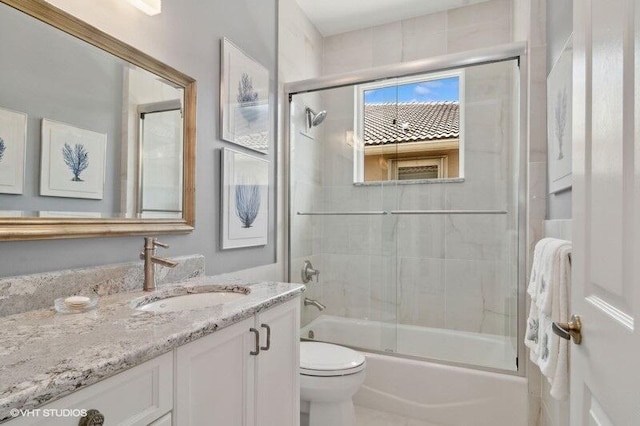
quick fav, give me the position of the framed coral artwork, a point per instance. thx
(13, 139)
(244, 99)
(559, 139)
(245, 200)
(73, 161)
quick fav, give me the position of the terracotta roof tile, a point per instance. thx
(410, 122)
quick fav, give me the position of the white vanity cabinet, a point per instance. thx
(277, 396)
(243, 375)
(214, 382)
(136, 397)
(219, 379)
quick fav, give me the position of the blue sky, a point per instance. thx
(444, 89)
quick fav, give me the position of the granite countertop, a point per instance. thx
(45, 355)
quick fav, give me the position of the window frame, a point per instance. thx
(358, 121)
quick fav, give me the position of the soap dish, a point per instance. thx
(75, 304)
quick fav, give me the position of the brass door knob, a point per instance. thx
(570, 330)
(92, 418)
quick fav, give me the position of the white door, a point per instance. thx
(215, 378)
(277, 366)
(605, 368)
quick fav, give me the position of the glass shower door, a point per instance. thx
(405, 198)
(457, 235)
(338, 225)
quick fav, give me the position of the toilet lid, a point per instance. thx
(324, 359)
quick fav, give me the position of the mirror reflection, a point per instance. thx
(84, 133)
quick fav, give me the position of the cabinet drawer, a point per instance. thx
(137, 396)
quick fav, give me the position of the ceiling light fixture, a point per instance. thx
(150, 7)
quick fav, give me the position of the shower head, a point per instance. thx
(314, 119)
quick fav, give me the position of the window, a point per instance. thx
(419, 168)
(410, 128)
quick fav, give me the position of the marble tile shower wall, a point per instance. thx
(300, 58)
(299, 44)
(436, 271)
(306, 172)
(466, 28)
(306, 194)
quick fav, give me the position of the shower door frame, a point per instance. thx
(500, 53)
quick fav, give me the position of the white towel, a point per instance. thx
(560, 380)
(549, 291)
(531, 335)
(548, 349)
(537, 268)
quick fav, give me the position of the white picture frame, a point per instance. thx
(559, 137)
(245, 107)
(245, 178)
(70, 215)
(13, 142)
(86, 149)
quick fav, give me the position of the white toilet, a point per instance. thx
(329, 377)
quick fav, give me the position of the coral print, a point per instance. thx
(247, 203)
(76, 158)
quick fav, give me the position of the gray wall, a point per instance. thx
(186, 35)
(559, 28)
(62, 80)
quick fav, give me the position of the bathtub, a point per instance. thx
(430, 391)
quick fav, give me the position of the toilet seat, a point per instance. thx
(327, 360)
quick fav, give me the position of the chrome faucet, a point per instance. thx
(314, 302)
(150, 259)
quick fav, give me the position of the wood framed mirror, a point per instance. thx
(97, 138)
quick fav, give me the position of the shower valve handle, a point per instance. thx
(308, 272)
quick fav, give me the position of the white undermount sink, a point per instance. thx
(190, 298)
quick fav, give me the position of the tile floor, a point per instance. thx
(371, 417)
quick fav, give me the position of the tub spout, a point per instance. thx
(315, 303)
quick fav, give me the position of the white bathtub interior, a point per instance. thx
(442, 394)
(468, 348)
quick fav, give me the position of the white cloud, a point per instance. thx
(427, 87)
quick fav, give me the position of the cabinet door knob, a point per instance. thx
(92, 418)
(257, 333)
(266, 348)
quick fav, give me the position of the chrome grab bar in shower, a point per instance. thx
(363, 213)
(448, 212)
(401, 212)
